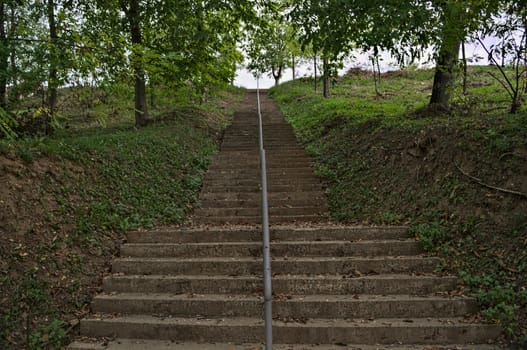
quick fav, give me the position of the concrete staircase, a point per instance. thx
(335, 287)
(231, 193)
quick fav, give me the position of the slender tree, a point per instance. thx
(269, 45)
(53, 60)
(132, 10)
(4, 56)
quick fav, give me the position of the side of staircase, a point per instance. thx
(335, 287)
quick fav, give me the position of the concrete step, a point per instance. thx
(141, 344)
(286, 306)
(246, 179)
(255, 166)
(222, 196)
(271, 187)
(269, 131)
(230, 158)
(315, 331)
(290, 155)
(317, 233)
(273, 136)
(270, 134)
(390, 284)
(253, 144)
(288, 152)
(222, 180)
(253, 220)
(255, 172)
(253, 266)
(289, 249)
(219, 212)
(255, 148)
(290, 203)
(256, 160)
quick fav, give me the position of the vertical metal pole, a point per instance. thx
(268, 291)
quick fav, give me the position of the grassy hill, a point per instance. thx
(458, 178)
(66, 200)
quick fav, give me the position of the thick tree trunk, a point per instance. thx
(325, 80)
(53, 74)
(141, 109)
(4, 57)
(444, 74)
(448, 56)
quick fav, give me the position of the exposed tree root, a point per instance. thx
(480, 182)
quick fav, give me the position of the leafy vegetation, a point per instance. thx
(389, 159)
(68, 198)
(46, 46)
(410, 31)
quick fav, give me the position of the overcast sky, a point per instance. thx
(246, 79)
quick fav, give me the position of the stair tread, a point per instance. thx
(304, 323)
(319, 298)
(278, 259)
(329, 278)
(317, 242)
(139, 344)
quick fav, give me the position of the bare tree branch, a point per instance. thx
(491, 56)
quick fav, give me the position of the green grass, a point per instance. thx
(391, 160)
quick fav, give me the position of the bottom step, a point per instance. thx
(135, 344)
(311, 331)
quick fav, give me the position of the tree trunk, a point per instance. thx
(315, 68)
(277, 74)
(465, 67)
(134, 18)
(447, 59)
(325, 80)
(525, 55)
(293, 66)
(444, 74)
(53, 74)
(13, 91)
(4, 57)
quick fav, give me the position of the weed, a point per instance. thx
(51, 336)
(4, 148)
(501, 302)
(390, 218)
(431, 235)
(25, 153)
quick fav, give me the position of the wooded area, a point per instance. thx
(48, 45)
(411, 31)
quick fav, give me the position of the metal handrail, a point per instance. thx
(268, 291)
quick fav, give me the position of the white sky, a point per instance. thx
(245, 79)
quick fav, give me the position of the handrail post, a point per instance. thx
(268, 291)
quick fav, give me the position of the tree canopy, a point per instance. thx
(45, 45)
